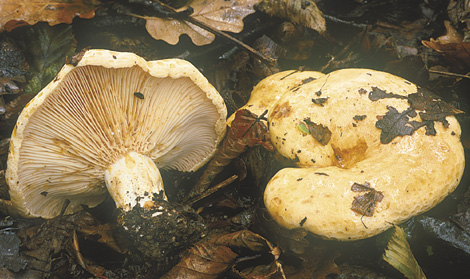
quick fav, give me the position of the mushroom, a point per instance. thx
(265, 94)
(262, 98)
(373, 152)
(108, 123)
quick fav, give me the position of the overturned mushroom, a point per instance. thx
(374, 152)
(108, 124)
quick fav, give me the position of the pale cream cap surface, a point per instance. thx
(414, 172)
(268, 91)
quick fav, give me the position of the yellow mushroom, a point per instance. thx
(265, 94)
(361, 139)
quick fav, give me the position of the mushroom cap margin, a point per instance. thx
(173, 68)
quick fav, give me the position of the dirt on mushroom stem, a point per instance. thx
(159, 231)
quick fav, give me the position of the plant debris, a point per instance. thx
(220, 14)
(246, 130)
(431, 108)
(395, 123)
(18, 13)
(377, 94)
(426, 42)
(365, 204)
(399, 255)
(320, 132)
(216, 253)
(303, 12)
(47, 48)
(10, 251)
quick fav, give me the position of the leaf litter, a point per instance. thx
(386, 41)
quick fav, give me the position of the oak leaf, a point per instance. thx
(15, 13)
(219, 14)
(304, 12)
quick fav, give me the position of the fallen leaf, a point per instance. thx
(219, 14)
(246, 130)
(394, 124)
(303, 12)
(377, 94)
(15, 13)
(434, 108)
(399, 255)
(47, 49)
(210, 257)
(10, 256)
(451, 46)
(365, 204)
(320, 132)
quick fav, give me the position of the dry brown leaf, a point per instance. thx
(219, 14)
(457, 54)
(304, 12)
(15, 13)
(213, 255)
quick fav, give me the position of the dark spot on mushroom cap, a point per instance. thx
(359, 117)
(302, 222)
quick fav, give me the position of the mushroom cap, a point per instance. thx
(412, 172)
(266, 93)
(93, 113)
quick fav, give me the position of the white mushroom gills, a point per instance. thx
(133, 180)
(114, 119)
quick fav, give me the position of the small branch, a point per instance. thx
(214, 189)
(449, 74)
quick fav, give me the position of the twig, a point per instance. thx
(214, 189)
(449, 74)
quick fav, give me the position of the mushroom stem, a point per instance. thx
(132, 180)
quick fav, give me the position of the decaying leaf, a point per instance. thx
(47, 49)
(10, 256)
(246, 130)
(365, 204)
(451, 46)
(15, 13)
(13, 67)
(434, 109)
(204, 261)
(394, 124)
(219, 14)
(215, 254)
(377, 94)
(320, 132)
(303, 12)
(399, 255)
